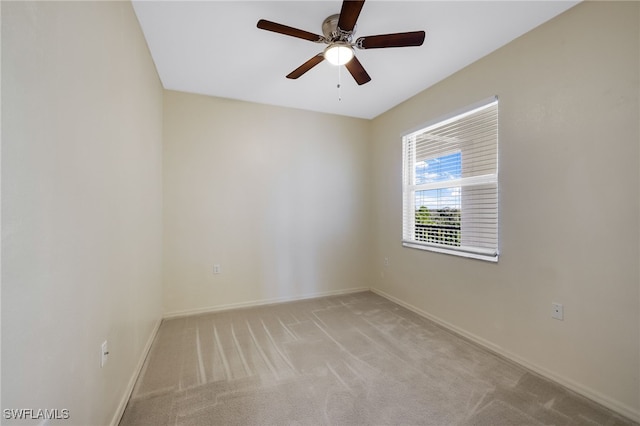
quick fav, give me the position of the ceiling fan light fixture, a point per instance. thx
(338, 53)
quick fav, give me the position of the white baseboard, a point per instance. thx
(587, 392)
(134, 377)
(261, 302)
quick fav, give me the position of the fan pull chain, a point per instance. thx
(339, 84)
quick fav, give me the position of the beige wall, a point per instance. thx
(569, 185)
(278, 197)
(82, 200)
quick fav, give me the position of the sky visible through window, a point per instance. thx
(440, 169)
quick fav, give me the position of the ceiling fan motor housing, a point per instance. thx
(332, 32)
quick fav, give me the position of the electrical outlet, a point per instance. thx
(557, 311)
(386, 261)
(104, 353)
(217, 269)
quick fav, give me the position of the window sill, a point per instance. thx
(489, 257)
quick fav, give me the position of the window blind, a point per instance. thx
(450, 184)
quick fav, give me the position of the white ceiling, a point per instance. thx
(214, 48)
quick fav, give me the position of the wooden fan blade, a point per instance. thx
(357, 71)
(349, 14)
(306, 66)
(413, 38)
(263, 24)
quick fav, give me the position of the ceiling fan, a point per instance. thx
(338, 31)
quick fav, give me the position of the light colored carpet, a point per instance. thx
(347, 360)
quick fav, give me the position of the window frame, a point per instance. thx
(408, 194)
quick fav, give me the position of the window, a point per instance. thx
(450, 184)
